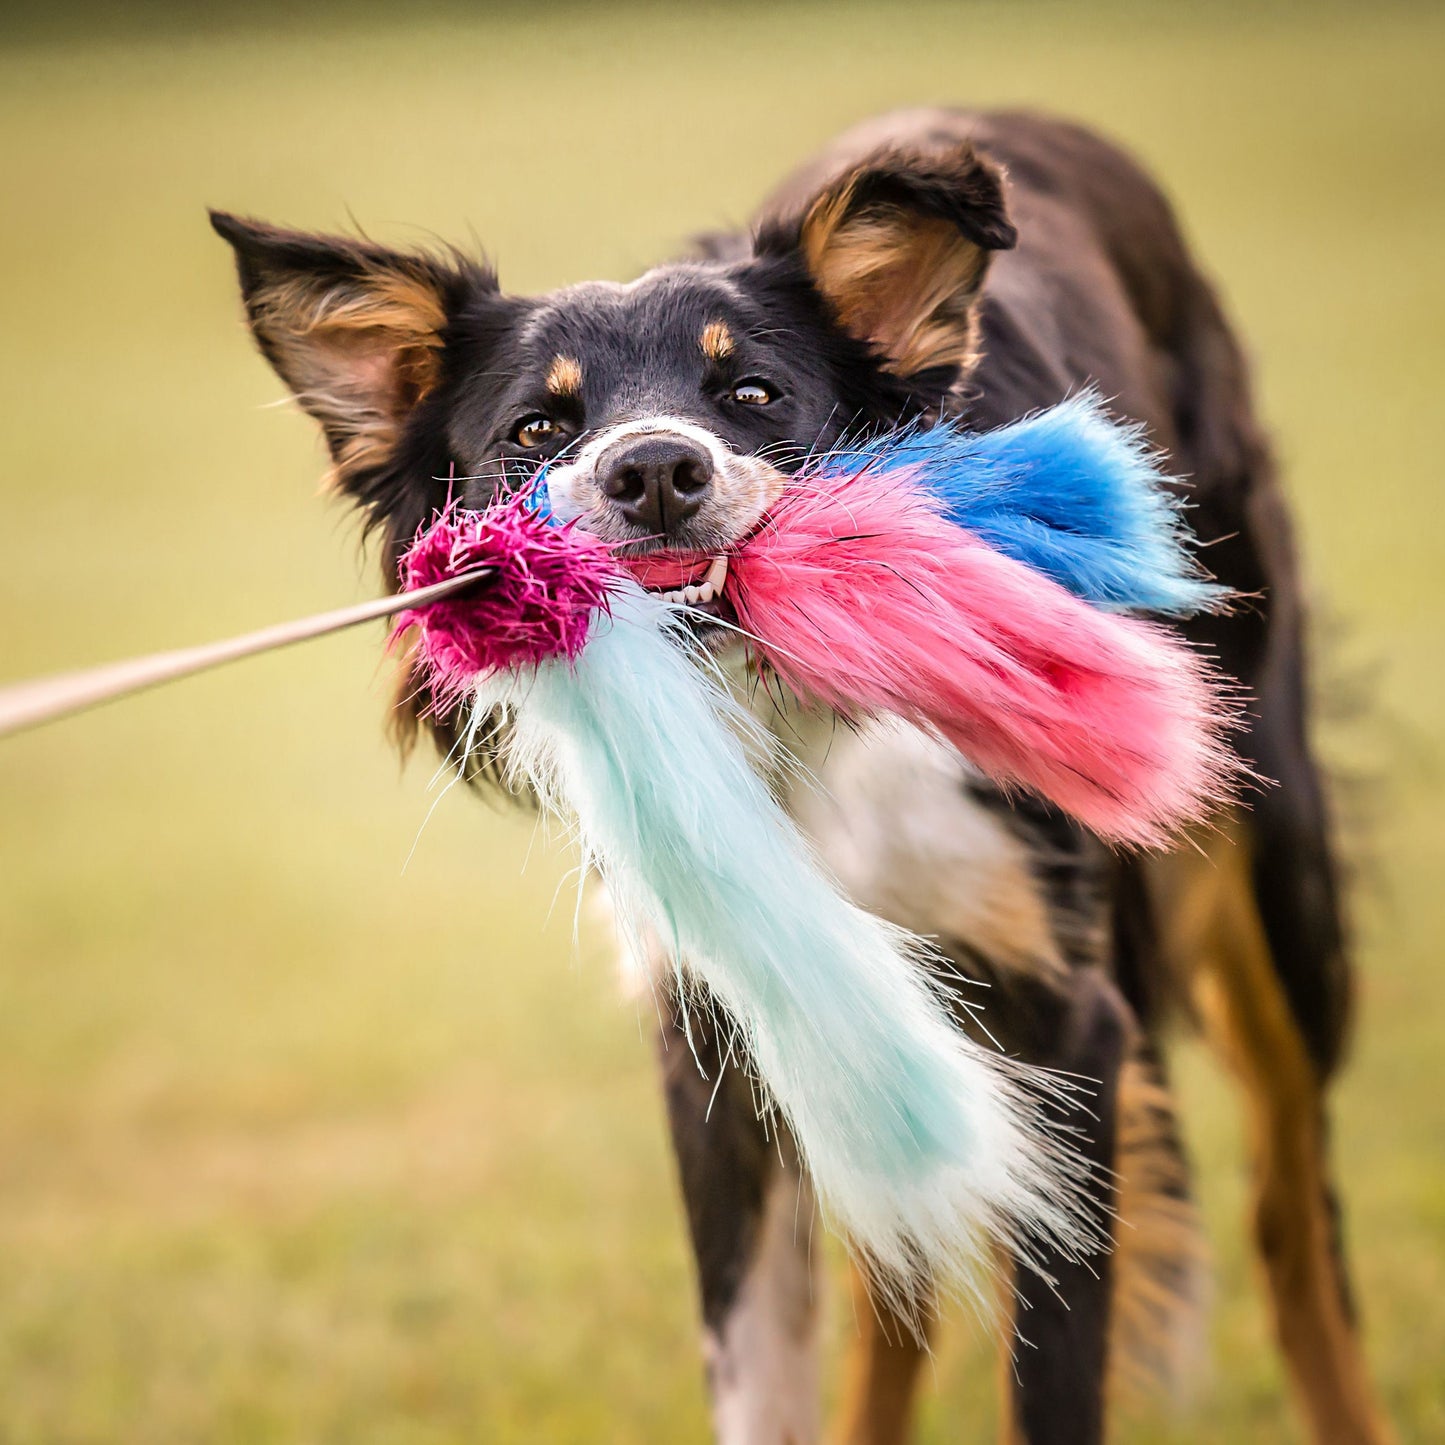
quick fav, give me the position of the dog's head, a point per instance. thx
(669, 409)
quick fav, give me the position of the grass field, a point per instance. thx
(301, 1144)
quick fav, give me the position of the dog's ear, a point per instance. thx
(354, 329)
(898, 245)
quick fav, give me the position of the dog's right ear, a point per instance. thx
(354, 329)
(898, 244)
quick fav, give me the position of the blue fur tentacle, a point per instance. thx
(1070, 493)
(921, 1144)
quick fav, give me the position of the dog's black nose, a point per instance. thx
(658, 479)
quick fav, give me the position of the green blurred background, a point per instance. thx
(299, 1142)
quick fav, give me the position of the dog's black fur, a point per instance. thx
(1054, 263)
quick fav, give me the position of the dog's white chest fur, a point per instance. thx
(892, 814)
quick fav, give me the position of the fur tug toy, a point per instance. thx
(859, 589)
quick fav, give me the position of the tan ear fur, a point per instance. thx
(354, 330)
(358, 356)
(899, 246)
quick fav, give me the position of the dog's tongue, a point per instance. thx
(667, 571)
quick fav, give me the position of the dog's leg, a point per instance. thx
(1213, 927)
(1112, 1324)
(751, 1215)
(1062, 1330)
(882, 1370)
(1057, 1337)
(1159, 1263)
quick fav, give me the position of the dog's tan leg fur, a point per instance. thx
(1213, 931)
(881, 1374)
(1159, 1269)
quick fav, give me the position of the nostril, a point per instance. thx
(691, 475)
(625, 484)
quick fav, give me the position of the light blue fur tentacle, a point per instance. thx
(923, 1146)
(1068, 491)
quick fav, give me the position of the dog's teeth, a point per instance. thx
(709, 588)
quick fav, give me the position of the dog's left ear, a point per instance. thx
(898, 245)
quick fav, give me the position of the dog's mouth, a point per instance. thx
(696, 580)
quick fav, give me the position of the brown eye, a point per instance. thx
(753, 391)
(534, 431)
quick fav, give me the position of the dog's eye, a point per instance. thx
(753, 391)
(534, 431)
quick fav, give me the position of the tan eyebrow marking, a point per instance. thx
(717, 341)
(564, 376)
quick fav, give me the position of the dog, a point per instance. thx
(927, 265)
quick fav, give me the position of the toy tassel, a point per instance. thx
(922, 1145)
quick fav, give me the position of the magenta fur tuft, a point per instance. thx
(547, 581)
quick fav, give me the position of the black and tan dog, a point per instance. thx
(929, 263)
